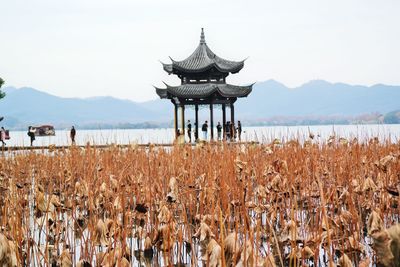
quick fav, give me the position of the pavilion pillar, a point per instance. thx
(183, 119)
(232, 122)
(196, 133)
(176, 120)
(212, 121)
(223, 121)
(232, 113)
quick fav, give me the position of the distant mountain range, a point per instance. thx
(319, 98)
(28, 106)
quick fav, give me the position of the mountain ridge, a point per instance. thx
(27, 105)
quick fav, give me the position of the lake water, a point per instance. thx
(165, 136)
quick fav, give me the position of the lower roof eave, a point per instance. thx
(199, 91)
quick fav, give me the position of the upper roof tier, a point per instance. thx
(203, 59)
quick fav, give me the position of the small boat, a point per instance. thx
(44, 130)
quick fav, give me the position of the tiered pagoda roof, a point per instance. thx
(203, 75)
(203, 59)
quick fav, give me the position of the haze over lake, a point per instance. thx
(166, 136)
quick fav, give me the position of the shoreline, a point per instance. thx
(58, 128)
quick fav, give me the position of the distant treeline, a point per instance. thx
(142, 125)
(392, 117)
(373, 118)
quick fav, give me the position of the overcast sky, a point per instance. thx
(82, 48)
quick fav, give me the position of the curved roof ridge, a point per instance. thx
(229, 90)
(202, 59)
(200, 90)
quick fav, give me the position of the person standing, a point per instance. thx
(196, 134)
(189, 131)
(233, 131)
(72, 135)
(31, 134)
(3, 135)
(239, 130)
(219, 131)
(228, 131)
(204, 129)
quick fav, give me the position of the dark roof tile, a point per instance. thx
(204, 90)
(202, 59)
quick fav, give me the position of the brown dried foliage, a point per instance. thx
(246, 205)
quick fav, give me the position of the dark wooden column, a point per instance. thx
(183, 119)
(196, 108)
(223, 121)
(232, 113)
(176, 120)
(211, 121)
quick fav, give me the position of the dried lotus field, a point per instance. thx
(288, 204)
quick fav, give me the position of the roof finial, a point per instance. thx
(202, 38)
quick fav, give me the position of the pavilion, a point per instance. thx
(203, 82)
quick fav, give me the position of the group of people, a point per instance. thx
(32, 132)
(3, 134)
(227, 132)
